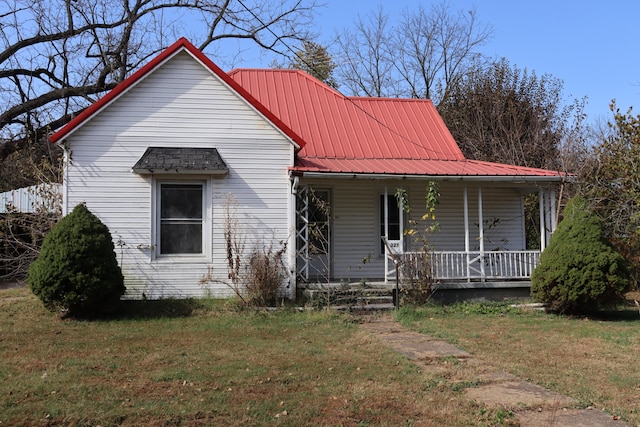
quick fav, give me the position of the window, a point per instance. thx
(181, 218)
(394, 220)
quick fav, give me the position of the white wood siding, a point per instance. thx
(180, 104)
(355, 222)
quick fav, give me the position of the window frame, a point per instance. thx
(380, 221)
(156, 221)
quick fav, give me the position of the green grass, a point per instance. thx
(595, 360)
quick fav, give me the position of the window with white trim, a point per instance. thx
(180, 218)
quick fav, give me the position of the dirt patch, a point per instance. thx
(518, 393)
(567, 418)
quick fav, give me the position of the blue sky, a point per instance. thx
(592, 45)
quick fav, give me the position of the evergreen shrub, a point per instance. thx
(580, 271)
(77, 270)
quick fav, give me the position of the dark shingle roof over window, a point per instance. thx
(180, 160)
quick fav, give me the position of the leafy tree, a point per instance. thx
(611, 181)
(314, 59)
(501, 113)
(580, 271)
(419, 57)
(77, 270)
(498, 112)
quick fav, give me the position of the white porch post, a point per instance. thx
(552, 210)
(543, 233)
(466, 232)
(481, 233)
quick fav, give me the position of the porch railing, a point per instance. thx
(474, 265)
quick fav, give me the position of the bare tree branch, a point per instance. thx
(57, 55)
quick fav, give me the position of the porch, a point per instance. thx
(480, 242)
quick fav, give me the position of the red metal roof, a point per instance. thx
(354, 135)
(335, 126)
(335, 133)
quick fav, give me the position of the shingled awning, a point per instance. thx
(181, 160)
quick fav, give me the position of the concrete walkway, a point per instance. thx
(532, 405)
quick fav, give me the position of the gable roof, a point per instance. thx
(336, 134)
(335, 126)
(181, 45)
(367, 136)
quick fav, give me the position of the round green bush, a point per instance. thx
(579, 272)
(77, 270)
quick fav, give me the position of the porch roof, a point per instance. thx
(369, 136)
(460, 169)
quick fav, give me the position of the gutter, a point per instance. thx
(477, 178)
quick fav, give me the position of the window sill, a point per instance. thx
(181, 259)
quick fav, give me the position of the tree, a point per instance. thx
(419, 57)
(314, 59)
(57, 57)
(610, 180)
(580, 271)
(365, 66)
(77, 270)
(500, 113)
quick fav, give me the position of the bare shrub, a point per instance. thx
(22, 233)
(264, 273)
(416, 278)
(254, 277)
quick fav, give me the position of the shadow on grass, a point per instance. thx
(621, 314)
(155, 309)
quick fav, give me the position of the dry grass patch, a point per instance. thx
(199, 363)
(592, 360)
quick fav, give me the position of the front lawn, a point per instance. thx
(201, 363)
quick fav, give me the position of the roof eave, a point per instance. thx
(473, 178)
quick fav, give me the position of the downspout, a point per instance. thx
(65, 180)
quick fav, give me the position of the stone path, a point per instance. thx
(533, 405)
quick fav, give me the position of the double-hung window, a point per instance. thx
(181, 218)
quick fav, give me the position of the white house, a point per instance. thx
(164, 157)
